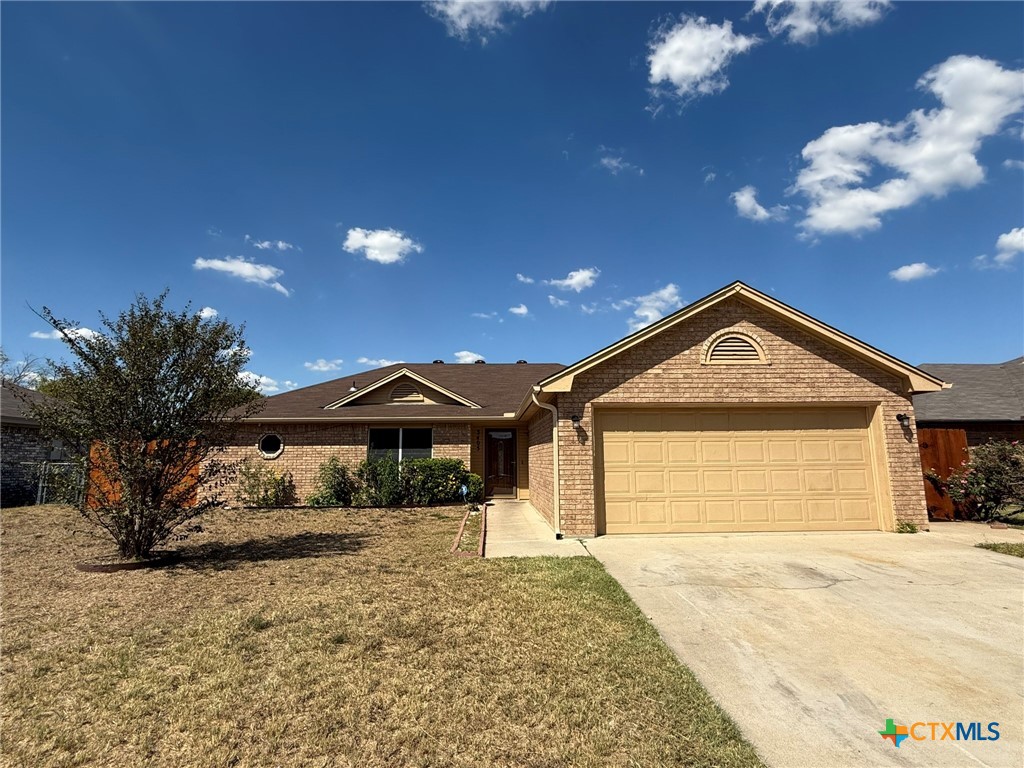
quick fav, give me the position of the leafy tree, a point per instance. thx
(150, 401)
(27, 372)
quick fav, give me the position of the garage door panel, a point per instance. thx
(739, 469)
(717, 481)
(650, 482)
(649, 452)
(752, 480)
(685, 513)
(683, 483)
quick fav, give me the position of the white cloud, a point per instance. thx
(929, 153)
(616, 165)
(523, 278)
(271, 245)
(654, 306)
(747, 206)
(520, 310)
(1009, 245)
(207, 312)
(914, 271)
(385, 246)
(465, 356)
(261, 274)
(589, 309)
(264, 384)
(484, 315)
(1014, 164)
(577, 280)
(556, 302)
(465, 18)
(802, 21)
(690, 57)
(75, 333)
(320, 364)
(377, 362)
(710, 176)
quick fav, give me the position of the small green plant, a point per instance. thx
(474, 485)
(905, 526)
(335, 486)
(260, 486)
(991, 480)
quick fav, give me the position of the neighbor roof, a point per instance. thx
(916, 380)
(497, 388)
(13, 409)
(987, 392)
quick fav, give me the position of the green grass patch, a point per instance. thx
(335, 637)
(1007, 548)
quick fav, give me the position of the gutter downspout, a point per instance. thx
(556, 512)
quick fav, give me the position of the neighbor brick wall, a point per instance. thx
(307, 446)
(20, 444)
(666, 369)
(541, 467)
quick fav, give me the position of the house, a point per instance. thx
(22, 447)
(736, 413)
(985, 401)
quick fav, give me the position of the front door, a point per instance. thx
(500, 461)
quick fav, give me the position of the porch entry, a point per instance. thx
(500, 462)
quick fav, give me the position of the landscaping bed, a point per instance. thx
(334, 637)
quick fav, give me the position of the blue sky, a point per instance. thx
(400, 181)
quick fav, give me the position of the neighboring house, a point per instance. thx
(22, 447)
(986, 401)
(736, 413)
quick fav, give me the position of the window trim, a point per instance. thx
(752, 338)
(401, 440)
(270, 456)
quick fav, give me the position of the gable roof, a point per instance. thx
(351, 397)
(916, 380)
(493, 391)
(14, 409)
(987, 392)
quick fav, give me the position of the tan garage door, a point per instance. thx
(690, 471)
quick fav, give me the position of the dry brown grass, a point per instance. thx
(334, 638)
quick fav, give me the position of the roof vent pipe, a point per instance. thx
(480, 362)
(438, 362)
(520, 362)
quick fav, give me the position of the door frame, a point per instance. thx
(515, 463)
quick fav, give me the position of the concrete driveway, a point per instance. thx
(810, 642)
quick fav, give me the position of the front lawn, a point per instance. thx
(1007, 548)
(334, 638)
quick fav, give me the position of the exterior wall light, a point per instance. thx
(903, 419)
(575, 421)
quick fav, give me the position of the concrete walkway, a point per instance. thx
(516, 529)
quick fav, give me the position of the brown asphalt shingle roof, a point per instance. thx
(979, 393)
(498, 388)
(15, 411)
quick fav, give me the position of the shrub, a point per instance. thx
(432, 481)
(905, 526)
(260, 486)
(381, 485)
(991, 479)
(335, 487)
(475, 488)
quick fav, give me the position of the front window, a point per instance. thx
(400, 443)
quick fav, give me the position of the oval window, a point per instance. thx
(270, 446)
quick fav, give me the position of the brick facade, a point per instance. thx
(541, 466)
(20, 444)
(666, 369)
(307, 446)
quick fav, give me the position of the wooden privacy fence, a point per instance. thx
(942, 451)
(101, 489)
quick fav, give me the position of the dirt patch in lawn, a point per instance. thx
(334, 638)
